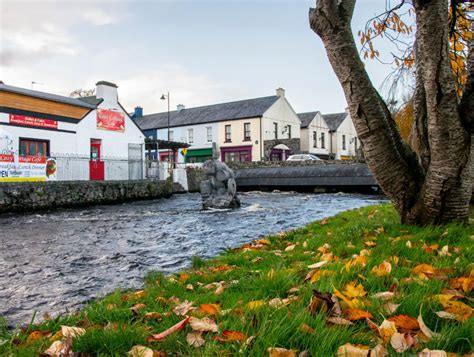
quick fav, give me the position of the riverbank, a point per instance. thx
(358, 278)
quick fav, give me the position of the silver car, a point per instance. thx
(303, 157)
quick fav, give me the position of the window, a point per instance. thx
(275, 130)
(315, 139)
(190, 136)
(247, 132)
(355, 144)
(209, 134)
(343, 142)
(289, 131)
(227, 134)
(171, 135)
(33, 147)
(323, 143)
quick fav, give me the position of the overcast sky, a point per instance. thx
(202, 52)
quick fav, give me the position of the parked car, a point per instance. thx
(305, 157)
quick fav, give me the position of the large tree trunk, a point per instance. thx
(431, 188)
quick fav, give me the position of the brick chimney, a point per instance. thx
(280, 92)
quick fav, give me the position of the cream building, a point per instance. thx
(315, 135)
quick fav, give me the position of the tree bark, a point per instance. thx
(434, 188)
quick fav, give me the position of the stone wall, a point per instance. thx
(260, 164)
(293, 144)
(28, 196)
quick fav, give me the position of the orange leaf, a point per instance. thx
(231, 336)
(405, 322)
(281, 352)
(354, 314)
(210, 309)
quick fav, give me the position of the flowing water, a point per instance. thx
(56, 261)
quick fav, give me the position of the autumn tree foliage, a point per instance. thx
(431, 185)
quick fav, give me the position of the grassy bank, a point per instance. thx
(358, 278)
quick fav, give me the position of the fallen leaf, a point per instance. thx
(281, 352)
(195, 339)
(140, 351)
(153, 315)
(405, 322)
(370, 243)
(263, 241)
(139, 294)
(432, 353)
(339, 321)
(354, 291)
(325, 302)
(460, 310)
(203, 325)
(56, 349)
(446, 315)
(383, 269)
(465, 284)
(210, 309)
(183, 308)
(72, 332)
(408, 244)
(306, 328)
(137, 307)
(320, 273)
(426, 331)
(175, 328)
(424, 270)
(231, 336)
(254, 305)
(317, 265)
(378, 351)
(219, 290)
(384, 295)
(290, 248)
(354, 314)
(390, 308)
(34, 336)
(189, 287)
(387, 329)
(443, 252)
(350, 350)
(399, 343)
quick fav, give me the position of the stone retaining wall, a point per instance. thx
(28, 196)
(261, 164)
(195, 177)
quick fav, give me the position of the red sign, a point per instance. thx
(38, 122)
(32, 159)
(6, 158)
(110, 120)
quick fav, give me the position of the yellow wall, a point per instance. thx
(237, 135)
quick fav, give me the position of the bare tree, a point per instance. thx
(432, 186)
(81, 93)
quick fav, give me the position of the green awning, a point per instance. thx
(199, 152)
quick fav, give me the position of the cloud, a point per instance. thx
(33, 31)
(185, 88)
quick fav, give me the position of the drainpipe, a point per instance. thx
(261, 142)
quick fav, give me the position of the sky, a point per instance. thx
(200, 51)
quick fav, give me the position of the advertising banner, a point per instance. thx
(110, 120)
(30, 121)
(27, 168)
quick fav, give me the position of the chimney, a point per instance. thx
(280, 92)
(138, 113)
(106, 91)
(180, 107)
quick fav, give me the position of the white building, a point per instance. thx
(247, 130)
(329, 136)
(88, 138)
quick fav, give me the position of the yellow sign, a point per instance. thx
(184, 151)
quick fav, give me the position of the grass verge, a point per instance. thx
(279, 292)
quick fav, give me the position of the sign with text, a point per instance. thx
(110, 120)
(27, 168)
(31, 121)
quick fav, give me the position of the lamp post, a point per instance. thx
(164, 97)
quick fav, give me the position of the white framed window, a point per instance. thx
(323, 143)
(209, 134)
(315, 139)
(190, 136)
(343, 142)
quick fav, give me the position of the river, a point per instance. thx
(56, 261)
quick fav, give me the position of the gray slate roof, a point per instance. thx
(334, 120)
(92, 100)
(47, 96)
(249, 108)
(306, 118)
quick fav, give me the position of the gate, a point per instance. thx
(135, 161)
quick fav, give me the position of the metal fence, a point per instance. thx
(78, 168)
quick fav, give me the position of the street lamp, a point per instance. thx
(164, 97)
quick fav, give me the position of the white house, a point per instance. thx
(344, 142)
(245, 130)
(315, 135)
(79, 139)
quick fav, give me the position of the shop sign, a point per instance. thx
(31, 121)
(27, 168)
(110, 120)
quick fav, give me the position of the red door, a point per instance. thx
(96, 165)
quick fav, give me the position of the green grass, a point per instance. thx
(269, 272)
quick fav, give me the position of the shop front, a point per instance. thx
(197, 155)
(236, 154)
